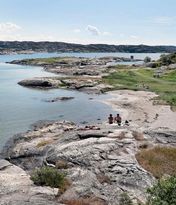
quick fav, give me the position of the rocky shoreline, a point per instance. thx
(99, 160)
(81, 74)
(96, 159)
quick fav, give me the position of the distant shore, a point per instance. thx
(25, 46)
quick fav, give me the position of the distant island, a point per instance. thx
(10, 47)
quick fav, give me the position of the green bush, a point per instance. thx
(125, 199)
(163, 193)
(168, 59)
(48, 176)
(147, 59)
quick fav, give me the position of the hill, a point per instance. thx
(29, 46)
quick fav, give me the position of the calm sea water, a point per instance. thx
(7, 58)
(20, 107)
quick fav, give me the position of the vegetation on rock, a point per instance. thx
(163, 193)
(147, 59)
(158, 161)
(48, 176)
(167, 59)
(125, 199)
(48, 61)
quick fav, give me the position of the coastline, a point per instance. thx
(96, 158)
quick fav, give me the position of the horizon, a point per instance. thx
(91, 22)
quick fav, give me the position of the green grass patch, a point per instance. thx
(53, 60)
(169, 76)
(142, 79)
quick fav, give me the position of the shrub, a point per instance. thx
(48, 176)
(163, 193)
(168, 59)
(159, 160)
(125, 199)
(147, 59)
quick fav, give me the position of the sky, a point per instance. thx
(151, 22)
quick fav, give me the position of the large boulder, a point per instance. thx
(36, 83)
(16, 188)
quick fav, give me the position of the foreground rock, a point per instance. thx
(100, 161)
(16, 188)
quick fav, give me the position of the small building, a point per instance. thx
(132, 57)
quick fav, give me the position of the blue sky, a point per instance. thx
(151, 22)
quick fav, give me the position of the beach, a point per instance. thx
(138, 108)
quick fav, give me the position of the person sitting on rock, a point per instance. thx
(110, 118)
(118, 119)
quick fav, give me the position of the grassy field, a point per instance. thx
(159, 160)
(50, 60)
(142, 79)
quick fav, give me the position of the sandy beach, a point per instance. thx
(138, 108)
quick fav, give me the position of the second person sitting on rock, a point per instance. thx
(118, 120)
(110, 119)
